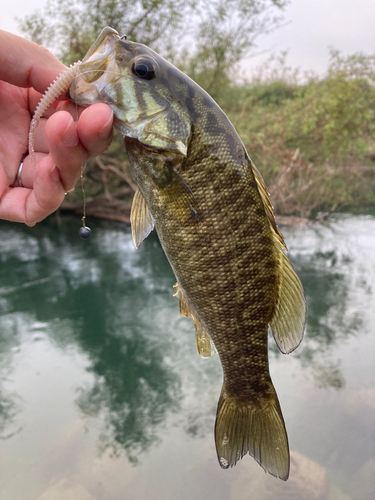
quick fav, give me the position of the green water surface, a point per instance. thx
(103, 395)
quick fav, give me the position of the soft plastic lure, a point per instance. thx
(57, 87)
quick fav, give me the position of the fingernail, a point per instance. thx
(106, 130)
(70, 136)
(55, 174)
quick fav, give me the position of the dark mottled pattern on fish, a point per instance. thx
(221, 258)
(215, 222)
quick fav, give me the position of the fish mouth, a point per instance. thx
(103, 45)
(98, 80)
(83, 90)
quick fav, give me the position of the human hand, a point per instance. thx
(62, 145)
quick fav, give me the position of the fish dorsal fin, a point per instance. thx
(205, 345)
(265, 196)
(288, 320)
(141, 219)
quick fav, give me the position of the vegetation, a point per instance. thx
(314, 142)
(312, 138)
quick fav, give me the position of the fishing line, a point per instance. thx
(84, 231)
(57, 87)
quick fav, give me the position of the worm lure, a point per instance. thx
(57, 87)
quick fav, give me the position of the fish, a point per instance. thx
(199, 189)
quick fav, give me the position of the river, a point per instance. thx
(104, 397)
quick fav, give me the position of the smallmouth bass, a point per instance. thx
(211, 210)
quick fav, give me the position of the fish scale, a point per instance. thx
(211, 210)
(234, 273)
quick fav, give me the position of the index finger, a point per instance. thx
(27, 64)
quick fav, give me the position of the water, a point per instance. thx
(103, 395)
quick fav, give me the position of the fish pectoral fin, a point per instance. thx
(288, 320)
(255, 427)
(142, 221)
(205, 345)
(181, 194)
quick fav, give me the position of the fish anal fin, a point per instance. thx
(142, 221)
(288, 320)
(205, 345)
(254, 427)
(184, 306)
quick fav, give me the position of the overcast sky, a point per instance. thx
(314, 25)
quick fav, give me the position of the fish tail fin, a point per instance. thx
(254, 427)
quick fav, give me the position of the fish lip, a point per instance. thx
(99, 55)
(105, 33)
(96, 60)
(91, 93)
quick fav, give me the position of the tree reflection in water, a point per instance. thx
(103, 290)
(126, 322)
(9, 401)
(335, 281)
(134, 389)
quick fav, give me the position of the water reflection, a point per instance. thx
(328, 319)
(308, 481)
(9, 407)
(328, 375)
(133, 388)
(9, 401)
(327, 293)
(109, 310)
(335, 263)
(105, 291)
(113, 295)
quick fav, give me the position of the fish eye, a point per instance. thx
(144, 68)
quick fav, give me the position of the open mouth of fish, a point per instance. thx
(86, 88)
(95, 80)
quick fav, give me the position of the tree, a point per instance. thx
(225, 34)
(205, 37)
(69, 27)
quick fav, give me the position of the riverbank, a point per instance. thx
(313, 142)
(299, 193)
(119, 210)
